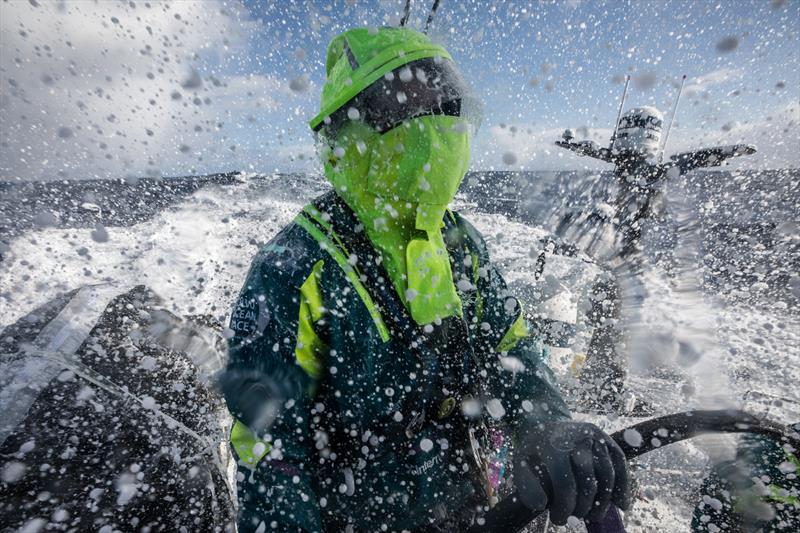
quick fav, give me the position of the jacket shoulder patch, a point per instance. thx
(273, 283)
(250, 315)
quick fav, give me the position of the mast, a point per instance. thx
(671, 120)
(619, 113)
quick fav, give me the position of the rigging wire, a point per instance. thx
(430, 15)
(619, 113)
(406, 12)
(672, 119)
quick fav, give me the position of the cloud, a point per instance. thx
(532, 149)
(775, 135)
(112, 89)
(106, 89)
(519, 147)
(715, 77)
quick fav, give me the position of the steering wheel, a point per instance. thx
(510, 515)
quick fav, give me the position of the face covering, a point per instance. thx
(399, 185)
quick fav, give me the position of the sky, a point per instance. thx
(130, 89)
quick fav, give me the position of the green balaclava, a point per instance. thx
(395, 140)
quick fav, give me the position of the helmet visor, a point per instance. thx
(429, 86)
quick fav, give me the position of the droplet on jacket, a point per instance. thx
(259, 448)
(13, 471)
(495, 409)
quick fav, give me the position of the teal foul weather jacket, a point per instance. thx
(350, 416)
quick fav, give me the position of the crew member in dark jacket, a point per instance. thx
(378, 365)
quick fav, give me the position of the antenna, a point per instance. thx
(619, 113)
(671, 120)
(406, 11)
(430, 15)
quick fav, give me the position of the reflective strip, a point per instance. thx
(781, 495)
(249, 449)
(326, 244)
(517, 332)
(778, 493)
(792, 458)
(311, 309)
(316, 216)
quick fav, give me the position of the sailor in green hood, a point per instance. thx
(379, 370)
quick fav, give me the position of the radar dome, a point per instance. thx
(639, 131)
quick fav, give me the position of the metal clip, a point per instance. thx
(415, 425)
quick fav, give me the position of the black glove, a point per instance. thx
(255, 398)
(572, 468)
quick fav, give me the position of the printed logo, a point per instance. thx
(427, 465)
(251, 316)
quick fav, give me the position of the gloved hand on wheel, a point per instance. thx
(572, 468)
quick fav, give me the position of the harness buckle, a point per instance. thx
(416, 424)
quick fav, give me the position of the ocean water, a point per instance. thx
(715, 322)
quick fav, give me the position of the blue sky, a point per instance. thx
(557, 64)
(538, 67)
(586, 44)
